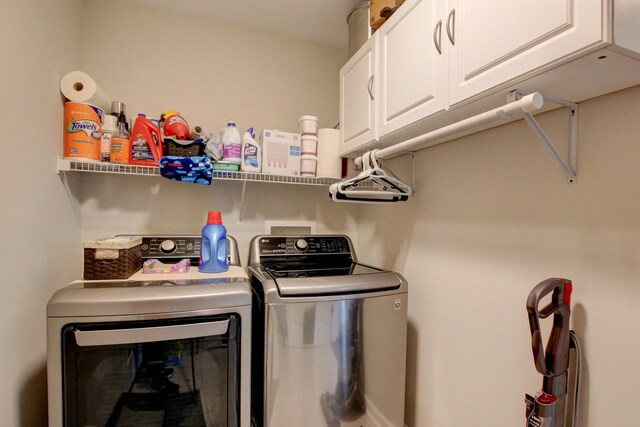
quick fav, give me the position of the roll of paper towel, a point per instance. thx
(78, 86)
(329, 162)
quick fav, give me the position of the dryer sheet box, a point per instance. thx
(280, 152)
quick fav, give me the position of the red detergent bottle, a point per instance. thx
(146, 144)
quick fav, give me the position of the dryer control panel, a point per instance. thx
(318, 245)
(171, 247)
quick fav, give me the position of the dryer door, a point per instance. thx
(157, 373)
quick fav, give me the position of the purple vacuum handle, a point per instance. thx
(555, 360)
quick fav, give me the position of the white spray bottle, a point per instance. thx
(251, 153)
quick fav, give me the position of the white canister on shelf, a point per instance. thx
(308, 125)
(309, 145)
(308, 165)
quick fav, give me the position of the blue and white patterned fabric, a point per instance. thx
(197, 170)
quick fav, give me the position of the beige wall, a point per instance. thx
(257, 79)
(40, 229)
(492, 217)
(121, 204)
(210, 72)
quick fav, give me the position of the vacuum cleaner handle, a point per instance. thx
(555, 360)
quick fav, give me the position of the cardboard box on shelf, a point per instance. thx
(380, 10)
(280, 152)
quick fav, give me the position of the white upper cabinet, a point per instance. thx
(357, 99)
(627, 28)
(438, 61)
(497, 41)
(411, 73)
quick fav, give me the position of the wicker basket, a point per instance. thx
(115, 258)
(175, 147)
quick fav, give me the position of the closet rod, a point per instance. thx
(526, 104)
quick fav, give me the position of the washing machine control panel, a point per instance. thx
(170, 247)
(275, 245)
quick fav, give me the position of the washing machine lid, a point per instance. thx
(358, 278)
(142, 297)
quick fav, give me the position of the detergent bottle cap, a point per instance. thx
(214, 217)
(233, 124)
(142, 115)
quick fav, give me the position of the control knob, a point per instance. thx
(301, 245)
(167, 246)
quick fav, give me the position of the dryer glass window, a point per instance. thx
(145, 374)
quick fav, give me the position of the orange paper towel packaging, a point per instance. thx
(82, 131)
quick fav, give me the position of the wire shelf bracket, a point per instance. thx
(569, 168)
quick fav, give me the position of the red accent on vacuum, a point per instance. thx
(546, 399)
(568, 288)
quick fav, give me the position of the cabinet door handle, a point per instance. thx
(370, 87)
(437, 36)
(451, 26)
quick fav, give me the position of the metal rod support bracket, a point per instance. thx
(568, 168)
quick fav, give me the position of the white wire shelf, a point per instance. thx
(69, 165)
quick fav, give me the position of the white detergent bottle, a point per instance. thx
(251, 153)
(232, 144)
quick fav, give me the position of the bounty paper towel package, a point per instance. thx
(280, 152)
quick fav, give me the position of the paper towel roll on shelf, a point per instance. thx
(78, 86)
(329, 163)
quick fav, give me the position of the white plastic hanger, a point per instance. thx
(372, 185)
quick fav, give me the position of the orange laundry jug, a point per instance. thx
(146, 144)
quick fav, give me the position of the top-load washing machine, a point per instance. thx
(153, 350)
(329, 335)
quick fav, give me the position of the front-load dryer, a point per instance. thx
(157, 350)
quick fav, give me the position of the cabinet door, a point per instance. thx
(411, 65)
(501, 41)
(357, 100)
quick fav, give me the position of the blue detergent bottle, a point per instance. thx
(213, 248)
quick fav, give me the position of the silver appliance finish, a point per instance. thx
(334, 343)
(122, 302)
